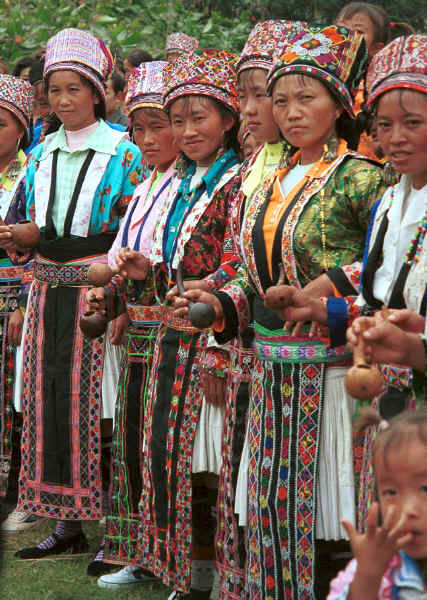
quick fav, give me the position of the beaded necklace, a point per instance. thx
(413, 253)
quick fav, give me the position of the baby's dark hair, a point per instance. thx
(406, 426)
(377, 15)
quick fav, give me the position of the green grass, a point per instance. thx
(63, 577)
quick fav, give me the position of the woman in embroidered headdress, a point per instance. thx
(183, 432)
(227, 368)
(314, 215)
(153, 134)
(16, 100)
(179, 43)
(78, 184)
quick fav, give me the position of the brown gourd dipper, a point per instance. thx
(201, 314)
(93, 323)
(363, 381)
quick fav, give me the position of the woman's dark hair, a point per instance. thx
(231, 141)
(138, 56)
(23, 63)
(118, 83)
(377, 15)
(53, 123)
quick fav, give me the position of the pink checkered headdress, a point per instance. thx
(145, 86)
(401, 64)
(17, 96)
(77, 50)
(181, 42)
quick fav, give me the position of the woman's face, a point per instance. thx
(152, 133)
(402, 132)
(363, 24)
(305, 113)
(72, 100)
(256, 107)
(198, 128)
(10, 132)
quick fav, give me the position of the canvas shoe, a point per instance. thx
(128, 576)
(18, 521)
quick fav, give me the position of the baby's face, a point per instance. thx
(401, 476)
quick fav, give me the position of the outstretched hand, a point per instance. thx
(374, 549)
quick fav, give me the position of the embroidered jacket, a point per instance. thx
(412, 294)
(344, 193)
(109, 183)
(199, 243)
(401, 581)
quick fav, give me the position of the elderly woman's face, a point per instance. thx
(304, 111)
(402, 132)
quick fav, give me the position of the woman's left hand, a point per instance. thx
(16, 322)
(118, 329)
(293, 305)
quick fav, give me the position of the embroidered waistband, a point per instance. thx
(280, 346)
(12, 272)
(140, 315)
(64, 274)
(169, 319)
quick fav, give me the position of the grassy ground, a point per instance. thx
(60, 578)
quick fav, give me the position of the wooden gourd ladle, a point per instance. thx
(201, 314)
(363, 381)
(94, 323)
(25, 234)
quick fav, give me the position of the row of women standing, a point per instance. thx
(298, 209)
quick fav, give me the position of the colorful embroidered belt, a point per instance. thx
(141, 315)
(61, 274)
(14, 272)
(279, 346)
(169, 319)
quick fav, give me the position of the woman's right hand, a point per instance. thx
(181, 303)
(96, 300)
(132, 264)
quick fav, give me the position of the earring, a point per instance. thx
(285, 157)
(389, 177)
(181, 166)
(330, 149)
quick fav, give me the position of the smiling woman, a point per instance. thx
(79, 181)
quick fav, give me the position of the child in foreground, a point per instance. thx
(391, 556)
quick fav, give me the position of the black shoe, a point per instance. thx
(76, 543)
(97, 566)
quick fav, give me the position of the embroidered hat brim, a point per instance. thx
(409, 81)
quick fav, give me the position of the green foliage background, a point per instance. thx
(26, 25)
